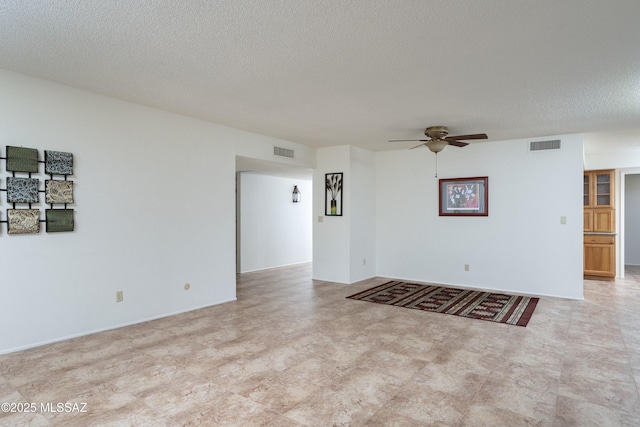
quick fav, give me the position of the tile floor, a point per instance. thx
(296, 352)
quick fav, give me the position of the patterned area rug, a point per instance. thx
(501, 308)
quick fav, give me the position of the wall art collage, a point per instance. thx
(23, 191)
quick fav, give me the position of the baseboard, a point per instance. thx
(274, 266)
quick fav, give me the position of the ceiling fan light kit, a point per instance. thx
(436, 145)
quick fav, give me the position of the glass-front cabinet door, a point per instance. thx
(598, 189)
(587, 189)
(598, 199)
(603, 198)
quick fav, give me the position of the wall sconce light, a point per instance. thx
(296, 194)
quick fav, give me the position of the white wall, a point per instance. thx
(274, 231)
(616, 160)
(362, 217)
(520, 247)
(344, 246)
(154, 210)
(612, 149)
(632, 220)
(331, 241)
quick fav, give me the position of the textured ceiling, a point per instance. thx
(358, 72)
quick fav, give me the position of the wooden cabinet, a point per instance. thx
(599, 189)
(599, 202)
(599, 255)
(599, 224)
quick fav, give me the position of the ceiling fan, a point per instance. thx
(438, 139)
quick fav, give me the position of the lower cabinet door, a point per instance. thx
(600, 257)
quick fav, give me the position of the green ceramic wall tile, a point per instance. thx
(59, 220)
(21, 159)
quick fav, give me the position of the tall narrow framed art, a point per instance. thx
(333, 194)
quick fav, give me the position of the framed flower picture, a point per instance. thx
(464, 196)
(333, 194)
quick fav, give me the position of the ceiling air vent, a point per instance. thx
(283, 152)
(544, 145)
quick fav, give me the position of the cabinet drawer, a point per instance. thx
(599, 239)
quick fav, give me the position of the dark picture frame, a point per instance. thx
(333, 194)
(464, 196)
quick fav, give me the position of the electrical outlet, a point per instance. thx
(466, 267)
(119, 296)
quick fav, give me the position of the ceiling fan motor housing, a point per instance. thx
(437, 132)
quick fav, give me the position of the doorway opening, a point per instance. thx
(629, 259)
(271, 229)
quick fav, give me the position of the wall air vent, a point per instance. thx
(283, 152)
(544, 145)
